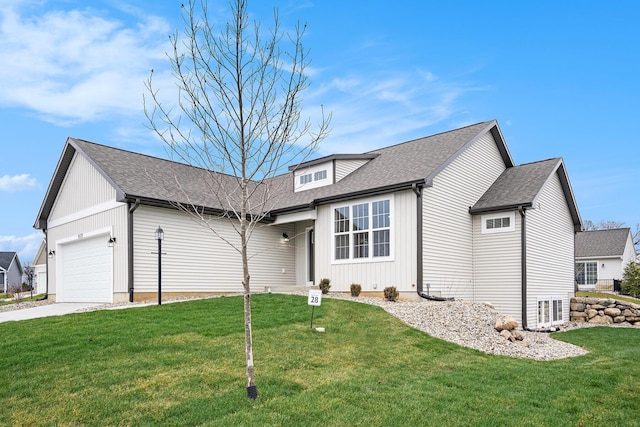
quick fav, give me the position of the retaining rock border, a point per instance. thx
(599, 311)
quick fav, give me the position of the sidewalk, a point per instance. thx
(55, 309)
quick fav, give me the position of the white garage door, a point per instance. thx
(86, 271)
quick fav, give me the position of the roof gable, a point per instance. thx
(7, 258)
(519, 186)
(602, 243)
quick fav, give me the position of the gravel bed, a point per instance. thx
(468, 324)
(23, 305)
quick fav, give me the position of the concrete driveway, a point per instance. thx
(55, 309)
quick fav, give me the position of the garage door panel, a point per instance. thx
(86, 271)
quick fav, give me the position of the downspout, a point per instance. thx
(417, 189)
(523, 258)
(46, 263)
(132, 209)
(419, 270)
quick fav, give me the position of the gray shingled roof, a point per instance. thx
(520, 185)
(158, 181)
(6, 258)
(601, 243)
(516, 186)
(400, 165)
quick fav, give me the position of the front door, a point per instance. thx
(310, 257)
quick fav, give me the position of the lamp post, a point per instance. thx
(159, 238)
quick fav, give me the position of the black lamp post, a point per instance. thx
(159, 238)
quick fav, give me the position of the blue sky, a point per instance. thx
(561, 78)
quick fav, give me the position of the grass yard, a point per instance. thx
(605, 295)
(183, 364)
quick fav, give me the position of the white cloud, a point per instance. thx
(25, 246)
(381, 109)
(77, 65)
(15, 183)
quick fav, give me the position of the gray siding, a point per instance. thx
(83, 188)
(447, 230)
(345, 167)
(400, 272)
(497, 265)
(195, 260)
(550, 249)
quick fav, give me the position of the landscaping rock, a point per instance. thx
(613, 312)
(506, 324)
(601, 320)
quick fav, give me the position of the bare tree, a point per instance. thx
(28, 270)
(608, 225)
(602, 225)
(239, 119)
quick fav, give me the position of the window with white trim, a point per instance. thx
(586, 273)
(550, 311)
(498, 223)
(320, 175)
(305, 179)
(362, 231)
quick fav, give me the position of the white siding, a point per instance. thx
(498, 266)
(345, 167)
(195, 260)
(550, 249)
(401, 272)
(447, 231)
(628, 255)
(116, 220)
(83, 188)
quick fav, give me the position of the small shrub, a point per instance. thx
(631, 279)
(355, 289)
(391, 293)
(325, 285)
(15, 292)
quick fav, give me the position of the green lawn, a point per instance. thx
(183, 364)
(605, 295)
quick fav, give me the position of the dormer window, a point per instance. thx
(305, 179)
(320, 175)
(313, 177)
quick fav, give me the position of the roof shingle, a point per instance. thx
(602, 243)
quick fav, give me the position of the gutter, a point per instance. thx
(132, 209)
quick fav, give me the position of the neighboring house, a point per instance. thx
(447, 215)
(601, 256)
(40, 269)
(10, 271)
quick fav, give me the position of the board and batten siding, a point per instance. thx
(371, 275)
(345, 167)
(447, 224)
(112, 221)
(86, 204)
(83, 188)
(497, 267)
(550, 249)
(194, 260)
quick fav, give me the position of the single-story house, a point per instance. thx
(10, 271)
(448, 215)
(601, 257)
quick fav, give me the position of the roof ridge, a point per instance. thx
(429, 136)
(151, 156)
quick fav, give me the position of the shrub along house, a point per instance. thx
(448, 215)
